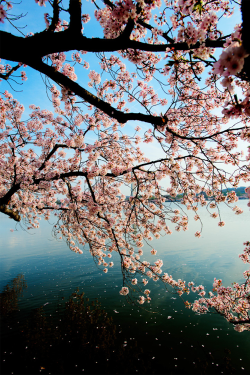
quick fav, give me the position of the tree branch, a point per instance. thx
(141, 22)
(12, 214)
(239, 321)
(92, 99)
(55, 148)
(16, 48)
(245, 11)
(149, 27)
(128, 30)
(55, 18)
(7, 75)
(75, 23)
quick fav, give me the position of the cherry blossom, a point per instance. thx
(2, 14)
(231, 302)
(152, 78)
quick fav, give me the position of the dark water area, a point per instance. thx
(162, 337)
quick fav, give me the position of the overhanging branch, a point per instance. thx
(16, 48)
(12, 214)
(92, 99)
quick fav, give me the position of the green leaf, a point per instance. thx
(198, 6)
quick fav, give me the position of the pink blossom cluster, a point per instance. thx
(124, 291)
(113, 21)
(95, 78)
(58, 60)
(231, 302)
(186, 6)
(190, 34)
(24, 76)
(55, 96)
(2, 14)
(69, 71)
(41, 2)
(248, 188)
(76, 57)
(245, 257)
(237, 210)
(230, 63)
(85, 18)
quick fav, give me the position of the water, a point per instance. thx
(167, 331)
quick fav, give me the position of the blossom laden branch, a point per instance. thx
(84, 153)
(10, 212)
(92, 99)
(43, 44)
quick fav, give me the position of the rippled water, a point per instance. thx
(171, 333)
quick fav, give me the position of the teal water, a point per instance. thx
(168, 331)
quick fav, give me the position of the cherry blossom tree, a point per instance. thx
(189, 85)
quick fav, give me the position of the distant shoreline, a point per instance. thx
(180, 199)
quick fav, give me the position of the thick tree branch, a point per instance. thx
(16, 48)
(240, 321)
(12, 214)
(128, 29)
(75, 24)
(245, 11)
(55, 18)
(7, 197)
(92, 99)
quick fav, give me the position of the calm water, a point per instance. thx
(172, 333)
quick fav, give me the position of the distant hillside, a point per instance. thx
(239, 191)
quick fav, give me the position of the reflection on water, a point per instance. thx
(174, 339)
(10, 294)
(81, 337)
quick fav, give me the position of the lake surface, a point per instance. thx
(172, 333)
